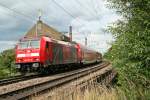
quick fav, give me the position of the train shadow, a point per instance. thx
(59, 69)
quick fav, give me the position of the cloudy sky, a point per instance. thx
(88, 18)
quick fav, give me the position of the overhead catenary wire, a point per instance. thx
(93, 11)
(36, 9)
(60, 6)
(86, 8)
(63, 8)
(17, 12)
(29, 5)
(94, 6)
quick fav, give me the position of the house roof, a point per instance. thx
(40, 29)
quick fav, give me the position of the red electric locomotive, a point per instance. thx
(42, 53)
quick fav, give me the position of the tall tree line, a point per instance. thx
(130, 53)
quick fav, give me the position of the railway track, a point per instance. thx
(50, 83)
(17, 78)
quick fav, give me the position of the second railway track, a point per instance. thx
(49, 83)
(17, 78)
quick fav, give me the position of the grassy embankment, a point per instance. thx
(91, 92)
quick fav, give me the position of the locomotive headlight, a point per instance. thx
(35, 65)
(34, 54)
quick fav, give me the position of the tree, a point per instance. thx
(7, 59)
(130, 52)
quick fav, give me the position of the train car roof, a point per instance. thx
(59, 41)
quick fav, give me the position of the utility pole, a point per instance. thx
(38, 25)
(70, 33)
(85, 41)
(40, 14)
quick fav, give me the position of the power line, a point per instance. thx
(17, 12)
(93, 12)
(29, 5)
(64, 9)
(94, 9)
(86, 8)
(60, 6)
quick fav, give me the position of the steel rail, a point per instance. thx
(18, 78)
(25, 92)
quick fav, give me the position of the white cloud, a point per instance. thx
(7, 45)
(99, 42)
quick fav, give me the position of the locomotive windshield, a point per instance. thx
(29, 44)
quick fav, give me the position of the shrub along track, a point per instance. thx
(27, 88)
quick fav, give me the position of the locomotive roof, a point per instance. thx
(62, 42)
(28, 39)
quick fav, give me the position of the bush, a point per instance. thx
(7, 66)
(130, 53)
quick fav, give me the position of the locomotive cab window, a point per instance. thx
(35, 44)
(23, 45)
(29, 44)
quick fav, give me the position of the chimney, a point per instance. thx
(70, 33)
